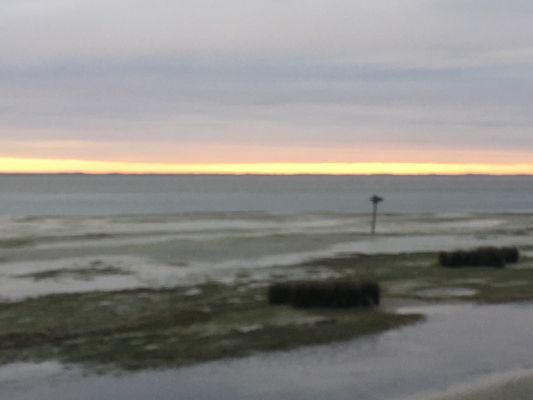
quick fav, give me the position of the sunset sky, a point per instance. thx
(266, 86)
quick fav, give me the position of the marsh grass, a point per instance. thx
(172, 327)
(402, 276)
(84, 273)
(16, 242)
(151, 328)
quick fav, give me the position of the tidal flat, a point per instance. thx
(168, 327)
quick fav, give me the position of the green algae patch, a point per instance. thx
(160, 328)
(16, 242)
(84, 273)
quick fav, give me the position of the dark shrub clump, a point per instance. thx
(279, 293)
(511, 255)
(325, 294)
(480, 257)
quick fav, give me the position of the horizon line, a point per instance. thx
(33, 166)
(260, 174)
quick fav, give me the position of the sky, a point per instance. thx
(292, 86)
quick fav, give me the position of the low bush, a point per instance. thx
(333, 294)
(511, 254)
(480, 257)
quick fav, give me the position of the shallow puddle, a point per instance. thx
(446, 292)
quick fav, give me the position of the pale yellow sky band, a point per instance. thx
(39, 165)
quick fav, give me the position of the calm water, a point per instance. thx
(178, 230)
(119, 194)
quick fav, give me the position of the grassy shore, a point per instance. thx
(416, 276)
(172, 327)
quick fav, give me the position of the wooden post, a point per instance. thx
(375, 199)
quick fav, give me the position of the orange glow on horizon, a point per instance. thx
(37, 165)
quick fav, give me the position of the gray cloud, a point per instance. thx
(454, 74)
